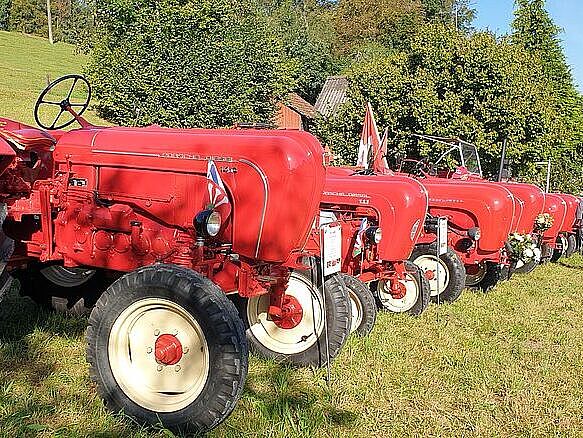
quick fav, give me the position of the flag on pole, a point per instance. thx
(359, 244)
(216, 189)
(379, 163)
(369, 137)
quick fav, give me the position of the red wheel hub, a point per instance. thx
(168, 349)
(430, 275)
(399, 290)
(291, 313)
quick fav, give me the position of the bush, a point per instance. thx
(185, 63)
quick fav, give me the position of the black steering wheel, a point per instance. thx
(74, 108)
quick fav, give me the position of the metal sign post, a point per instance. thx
(330, 263)
(441, 249)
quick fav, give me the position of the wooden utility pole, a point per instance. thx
(50, 20)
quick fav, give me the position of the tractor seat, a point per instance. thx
(29, 138)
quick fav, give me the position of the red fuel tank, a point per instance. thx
(531, 200)
(557, 208)
(270, 176)
(400, 203)
(473, 204)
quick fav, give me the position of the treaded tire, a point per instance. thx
(526, 268)
(571, 245)
(423, 291)
(495, 273)
(77, 299)
(219, 322)
(561, 249)
(338, 321)
(364, 307)
(455, 269)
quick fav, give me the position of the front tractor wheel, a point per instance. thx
(561, 247)
(452, 273)
(165, 345)
(299, 337)
(412, 295)
(362, 304)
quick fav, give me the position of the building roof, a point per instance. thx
(298, 104)
(333, 95)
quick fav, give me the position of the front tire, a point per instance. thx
(301, 342)
(452, 273)
(165, 345)
(571, 245)
(363, 305)
(495, 273)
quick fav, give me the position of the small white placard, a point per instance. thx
(442, 235)
(332, 251)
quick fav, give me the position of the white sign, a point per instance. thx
(442, 235)
(332, 251)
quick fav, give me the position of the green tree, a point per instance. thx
(534, 30)
(306, 30)
(4, 13)
(187, 63)
(451, 84)
(29, 16)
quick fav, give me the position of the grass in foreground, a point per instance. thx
(503, 364)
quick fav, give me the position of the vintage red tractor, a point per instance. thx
(566, 244)
(479, 216)
(384, 217)
(167, 222)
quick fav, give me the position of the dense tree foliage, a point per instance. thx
(72, 19)
(186, 63)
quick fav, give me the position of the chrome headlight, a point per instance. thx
(374, 234)
(208, 223)
(474, 233)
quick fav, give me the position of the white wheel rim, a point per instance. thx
(294, 340)
(430, 263)
(356, 310)
(474, 279)
(148, 383)
(564, 244)
(399, 305)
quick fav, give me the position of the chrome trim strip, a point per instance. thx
(137, 154)
(265, 192)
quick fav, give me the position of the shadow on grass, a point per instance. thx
(274, 394)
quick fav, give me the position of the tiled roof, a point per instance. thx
(333, 95)
(303, 107)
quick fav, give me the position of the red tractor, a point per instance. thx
(158, 225)
(384, 217)
(555, 206)
(479, 217)
(566, 244)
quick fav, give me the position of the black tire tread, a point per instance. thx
(367, 302)
(229, 331)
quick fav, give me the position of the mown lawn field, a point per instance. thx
(507, 363)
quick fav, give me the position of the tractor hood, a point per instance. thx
(469, 204)
(400, 204)
(557, 208)
(273, 179)
(572, 202)
(531, 200)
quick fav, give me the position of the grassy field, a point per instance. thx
(503, 364)
(27, 65)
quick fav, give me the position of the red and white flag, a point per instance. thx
(379, 162)
(369, 138)
(218, 198)
(359, 244)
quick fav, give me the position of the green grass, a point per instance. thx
(503, 364)
(27, 65)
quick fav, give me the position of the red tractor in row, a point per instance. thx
(153, 227)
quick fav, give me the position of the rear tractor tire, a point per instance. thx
(165, 345)
(300, 339)
(571, 245)
(363, 306)
(72, 291)
(416, 295)
(452, 273)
